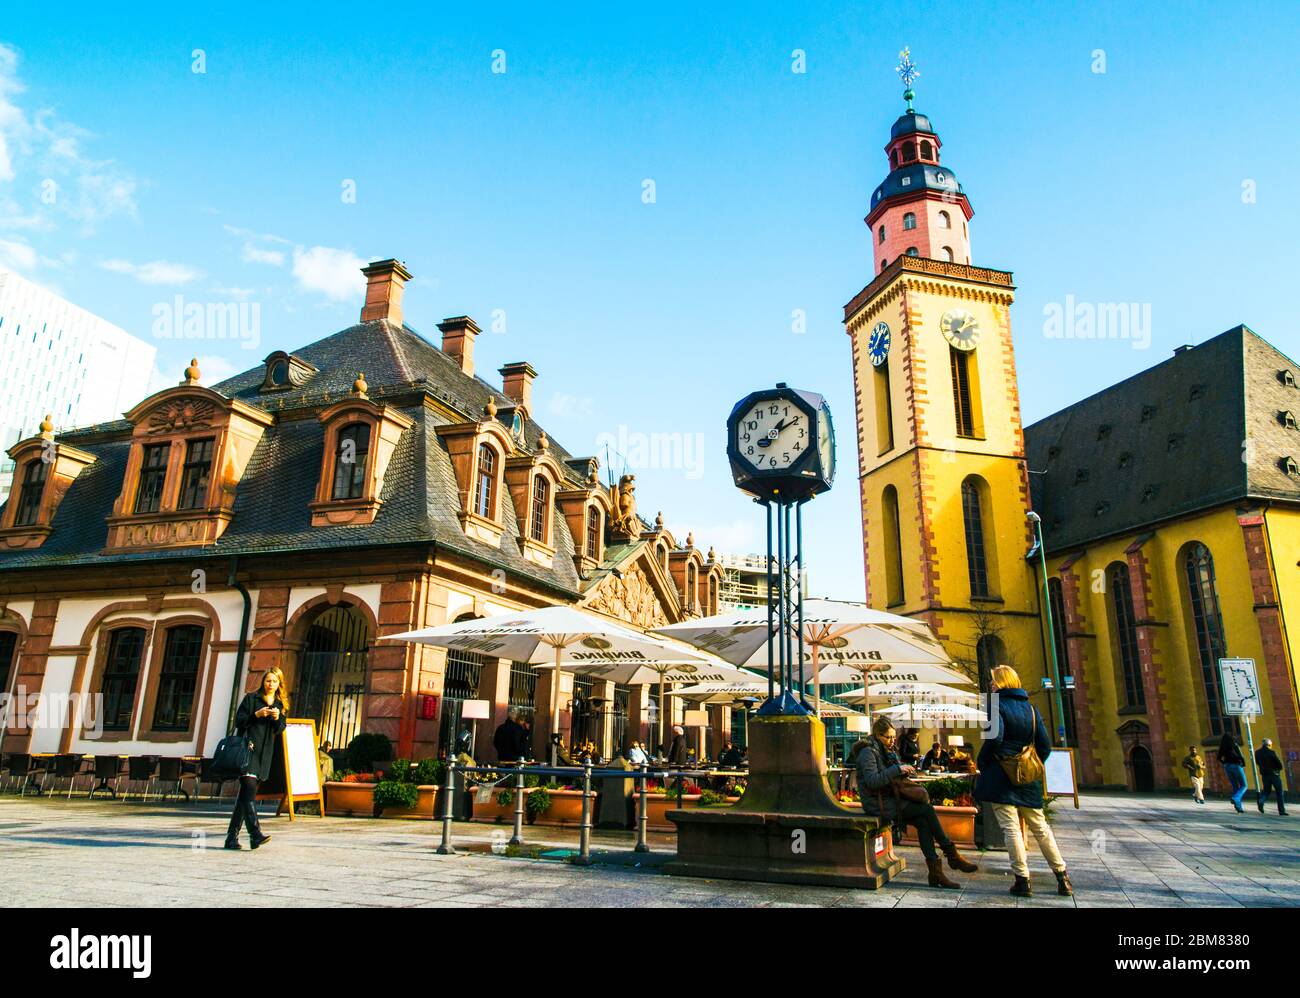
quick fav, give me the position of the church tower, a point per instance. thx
(944, 484)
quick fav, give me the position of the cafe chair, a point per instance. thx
(107, 767)
(67, 766)
(26, 769)
(140, 769)
(171, 774)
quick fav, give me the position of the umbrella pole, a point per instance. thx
(662, 707)
(555, 704)
(817, 680)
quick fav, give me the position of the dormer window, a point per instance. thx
(1196, 392)
(593, 533)
(45, 472)
(1287, 419)
(195, 473)
(485, 489)
(541, 508)
(29, 496)
(351, 453)
(1289, 466)
(360, 437)
(1148, 413)
(1287, 378)
(284, 371)
(153, 477)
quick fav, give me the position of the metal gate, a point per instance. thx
(332, 675)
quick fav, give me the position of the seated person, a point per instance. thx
(936, 758)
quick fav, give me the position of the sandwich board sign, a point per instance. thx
(1240, 686)
(1059, 774)
(295, 768)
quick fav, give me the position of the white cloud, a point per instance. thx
(255, 254)
(335, 273)
(17, 256)
(564, 405)
(238, 294)
(214, 368)
(154, 272)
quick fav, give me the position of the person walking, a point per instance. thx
(261, 717)
(878, 769)
(1234, 765)
(1270, 776)
(1195, 766)
(508, 738)
(1020, 728)
(677, 754)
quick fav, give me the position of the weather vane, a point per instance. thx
(907, 72)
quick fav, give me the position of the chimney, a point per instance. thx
(517, 383)
(458, 334)
(384, 281)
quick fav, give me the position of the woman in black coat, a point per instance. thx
(1019, 725)
(261, 718)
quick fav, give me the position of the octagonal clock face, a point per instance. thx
(772, 435)
(960, 328)
(878, 344)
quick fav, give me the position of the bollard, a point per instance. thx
(641, 817)
(449, 792)
(584, 839)
(518, 838)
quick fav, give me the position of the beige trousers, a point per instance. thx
(1009, 816)
(1198, 788)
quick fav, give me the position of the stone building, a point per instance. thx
(369, 483)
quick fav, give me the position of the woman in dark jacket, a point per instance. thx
(878, 767)
(1019, 725)
(1234, 764)
(261, 718)
(677, 754)
(909, 747)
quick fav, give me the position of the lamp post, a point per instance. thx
(1037, 521)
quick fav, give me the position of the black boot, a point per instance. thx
(232, 830)
(1021, 888)
(255, 836)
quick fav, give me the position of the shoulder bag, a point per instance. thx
(1025, 767)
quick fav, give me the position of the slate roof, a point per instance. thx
(1167, 442)
(271, 514)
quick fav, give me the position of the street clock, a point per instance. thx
(781, 444)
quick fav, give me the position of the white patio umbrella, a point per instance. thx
(917, 715)
(756, 688)
(897, 692)
(835, 634)
(558, 636)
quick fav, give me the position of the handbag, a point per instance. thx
(231, 757)
(1024, 767)
(909, 790)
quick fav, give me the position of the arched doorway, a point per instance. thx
(460, 682)
(1144, 776)
(329, 684)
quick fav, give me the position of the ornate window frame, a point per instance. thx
(152, 677)
(103, 642)
(522, 473)
(386, 426)
(173, 418)
(463, 441)
(63, 463)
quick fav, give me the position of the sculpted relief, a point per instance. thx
(630, 598)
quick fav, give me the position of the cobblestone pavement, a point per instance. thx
(1124, 850)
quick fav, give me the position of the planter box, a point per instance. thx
(658, 806)
(958, 824)
(350, 799)
(565, 809)
(424, 808)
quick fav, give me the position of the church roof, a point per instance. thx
(1199, 430)
(910, 122)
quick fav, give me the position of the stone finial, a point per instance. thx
(359, 387)
(712, 556)
(593, 473)
(543, 441)
(690, 539)
(490, 410)
(47, 427)
(659, 520)
(192, 372)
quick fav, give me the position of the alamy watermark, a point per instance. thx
(179, 319)
(639, 451)
(1085, 320)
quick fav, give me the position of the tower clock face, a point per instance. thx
(772, 434)
(960, 328)
(878, 344)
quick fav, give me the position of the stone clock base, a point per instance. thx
(787, 828)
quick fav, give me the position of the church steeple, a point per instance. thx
(920, 208)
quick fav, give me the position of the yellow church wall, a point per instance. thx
(1175, 655)
(1283, 526)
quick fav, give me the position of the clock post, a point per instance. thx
(787, 827)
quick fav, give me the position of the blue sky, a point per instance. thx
(1163, 181)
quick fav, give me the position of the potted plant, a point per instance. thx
(351, 794)
(955, 808)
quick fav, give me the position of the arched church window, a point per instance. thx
(1125, 629)
(975, 508)
(945, 220)
(947, 253)
(894, 592)
(881, 236)
(909, 221)
(913, 251)
(926, 151)
(1207, 620)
